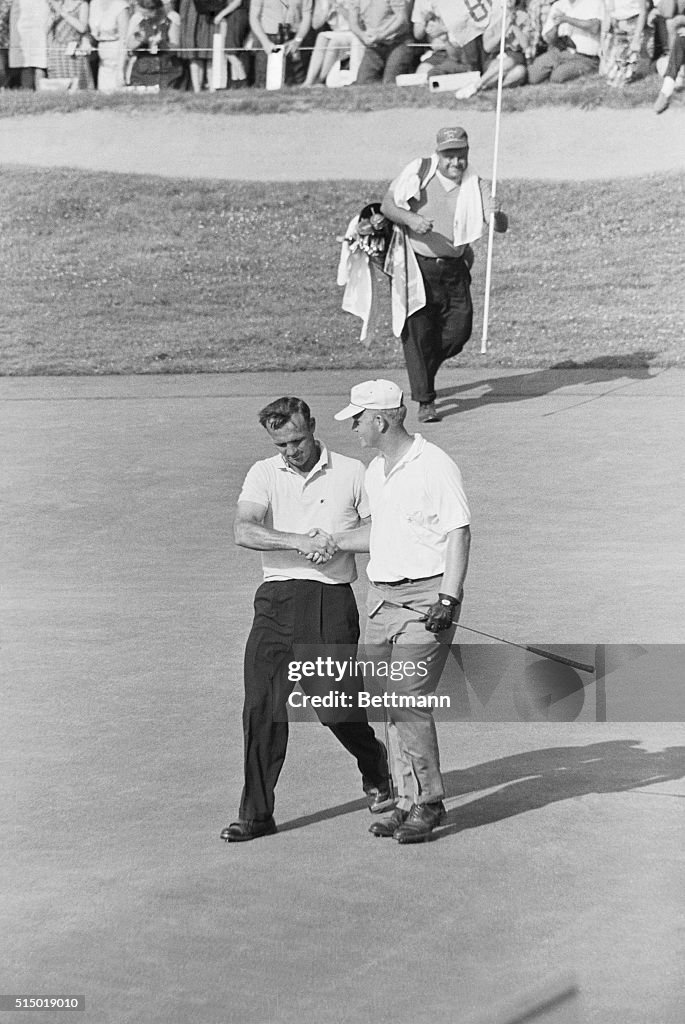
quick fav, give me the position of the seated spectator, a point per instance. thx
(333, 40)
(28, 43)
(69, 45)
(277, 23)
(153, 35)
(444, 56)
(233, 21)
(518, 46)
(622, 29)
(383, 27)
(572, 33)
(108, 20)
(675, 69)
(4, 43)
(671, 12)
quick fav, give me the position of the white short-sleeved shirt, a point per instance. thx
(413, 510)
(331, 496)
(585, 10)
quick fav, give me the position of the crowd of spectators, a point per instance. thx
(117, 44)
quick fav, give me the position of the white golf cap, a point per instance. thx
(372, 394)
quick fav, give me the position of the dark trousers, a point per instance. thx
(295, 67)
(288, 613)
(676, 58)
(384, 61)
(441, 329)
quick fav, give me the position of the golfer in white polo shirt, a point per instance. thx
(418, 541)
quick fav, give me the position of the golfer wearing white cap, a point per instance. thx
(418, 540)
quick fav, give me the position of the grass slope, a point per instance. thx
(586, 93)
(130, 274)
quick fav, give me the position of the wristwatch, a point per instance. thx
(447, 601)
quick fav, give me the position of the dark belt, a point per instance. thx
(440, 259)
(399, 583)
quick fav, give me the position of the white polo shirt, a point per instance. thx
(331, 496)
(413, 509)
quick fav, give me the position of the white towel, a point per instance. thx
(407, 292)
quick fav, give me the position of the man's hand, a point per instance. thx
(420, 225)
(501, 221)
(318, 546)
(438, 617)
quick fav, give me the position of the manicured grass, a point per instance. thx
(129, 274)
(586, 93)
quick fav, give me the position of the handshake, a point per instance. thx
(317, 546)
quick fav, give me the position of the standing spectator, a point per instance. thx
(4, 42)
(68, 42)
(28, 49)
(384, 29)
(279, 23)
(153, 35)
(109, 26)
(333, 40)
(622, 28)
(197, 33)
(572, 33)
(233, 21)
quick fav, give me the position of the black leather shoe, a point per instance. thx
(381, 797)
(421, 821)
(242, 831)
(386, 827)
(428, 413)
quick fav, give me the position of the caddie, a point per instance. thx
(443, 207)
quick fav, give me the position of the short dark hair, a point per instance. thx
(280, 412)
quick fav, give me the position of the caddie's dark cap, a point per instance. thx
(451, 138)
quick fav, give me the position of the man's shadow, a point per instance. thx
(536, 778)
(523, 386)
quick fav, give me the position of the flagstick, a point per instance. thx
(491, 230)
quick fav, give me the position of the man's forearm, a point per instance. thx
(592, 25)
(456, 563)
(354, 540)
(263, 538)
(395, 213)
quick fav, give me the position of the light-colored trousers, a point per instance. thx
(395, 634)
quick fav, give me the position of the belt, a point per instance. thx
(399, 583)
(439, 259)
